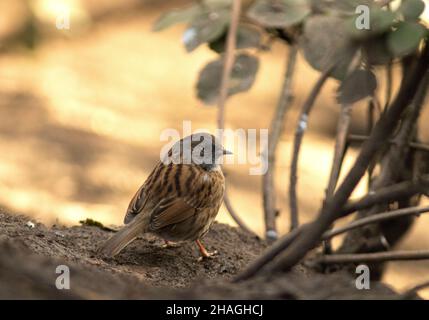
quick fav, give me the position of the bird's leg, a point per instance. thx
(168, 244)
(204, 252)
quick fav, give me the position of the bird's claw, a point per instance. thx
(169, 245)
(208, 255)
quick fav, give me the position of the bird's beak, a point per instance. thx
(225, 152)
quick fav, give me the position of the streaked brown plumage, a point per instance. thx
(179, 200)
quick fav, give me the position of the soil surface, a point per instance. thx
(30, 253)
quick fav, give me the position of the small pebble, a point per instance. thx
(30, 224)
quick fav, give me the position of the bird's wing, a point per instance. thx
(139, 201)
(171, 211)
(136, 205)
(190, 193)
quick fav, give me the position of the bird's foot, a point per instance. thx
(207, 255)
(168, 244)
(204, 253)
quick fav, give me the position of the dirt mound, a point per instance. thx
(146, 257)
(30, 254)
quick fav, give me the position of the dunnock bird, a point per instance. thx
(181, 197)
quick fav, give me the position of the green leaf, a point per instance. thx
(406, 38)
(176, 16)
(206, 27)
(358, 85)
(247, 37)
(279, 14)
(380, 21)
(411, 9)
(324, 42)
(242, 77)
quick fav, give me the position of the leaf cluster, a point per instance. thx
(327, 32)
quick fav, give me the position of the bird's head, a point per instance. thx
(201, 149)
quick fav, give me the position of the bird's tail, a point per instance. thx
(122, 238)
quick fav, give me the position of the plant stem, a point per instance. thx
(374, 257)
(376, 218)
(270, 254)
(340, 147)
(380, 134)
(415, 145)
(387, 194)
(299, 134)
(276, 129)
(223, 94)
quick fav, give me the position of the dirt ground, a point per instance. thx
(146, 257)
(83, 113)
(30, 253)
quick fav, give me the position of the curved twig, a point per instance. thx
(234, 215)
(411, 211)
(370, 125)
(339, 154)
(419, 146)
(340, 147)
(387, 194)
(276, 129)
(228, 62)
(389, 84)
(299, 134)
(223, 94)
(374, 257)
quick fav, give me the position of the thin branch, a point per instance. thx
(276, 129)
(340, 146)
(223, 94)
(234, 215)
(374, 257)
(419, 146)
(415, 145)
(339, 154)
(389, 215)
(370, 126)
(381, 133)
(228, 62)
(389, 84)
(294, 246)
(299, 134)
(386, 195)
(270, 254)
(395, 166)
(283, 243)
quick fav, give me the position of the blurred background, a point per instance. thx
(82, 110)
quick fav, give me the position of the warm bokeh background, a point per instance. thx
(82, 113)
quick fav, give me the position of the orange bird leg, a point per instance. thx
(203, 251)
